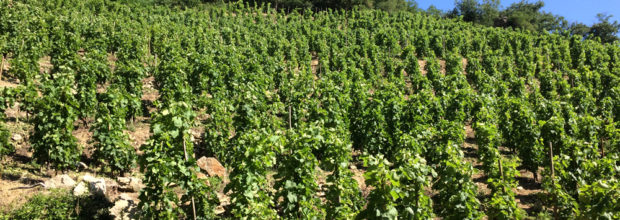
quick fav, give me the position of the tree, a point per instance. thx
(472, 11)
(434, 11)
(528, 16)
(391, 5)
(605, 30)
(579, 28)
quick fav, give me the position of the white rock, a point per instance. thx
(80, 189)
(124, 208)
(98, 188)
(123, 180)
(111, 190)
(67, 180)
(88, 178)
(125, 196)
(60, 181)
(17, 137)
(95, 185)
(130, 184)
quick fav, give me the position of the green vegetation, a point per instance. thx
(328, 114)
(60, 204)
(112, 147)
(526, 15)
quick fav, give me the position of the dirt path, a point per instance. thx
(528, 190)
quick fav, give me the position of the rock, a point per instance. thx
(95, 185)
(124, 208)
(88, 178)
(130, 184)
(359, 178)
(224, 199)
(111, 190)
(60, 181)
(219, 210)
(204, 177)
(80, 190)
(17, 137)
(123, 181)
(212, 166)
(82, 165)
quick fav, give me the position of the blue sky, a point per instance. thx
(573, 10)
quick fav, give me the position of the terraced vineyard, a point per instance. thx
(314, 115)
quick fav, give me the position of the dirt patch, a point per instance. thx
(442, 64)
(102, 88)
(422, 64)
(528, 191)
(358, 176)
(8, 84)
(112, 61)
(149, 92)
(45, 64)
(464, 62)
(84, 136)
(13, 198)
(139, 132)
(13, 112)
(314, 64)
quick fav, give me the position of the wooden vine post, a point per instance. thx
(555, 207)
(193, 203)
(290, 115)
(501, 170)
(602, 143)
(501, 173)
(1, 66)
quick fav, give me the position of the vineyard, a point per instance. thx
(358, 114)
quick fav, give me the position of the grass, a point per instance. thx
(61, 204)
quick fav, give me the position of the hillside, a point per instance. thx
(314, 115)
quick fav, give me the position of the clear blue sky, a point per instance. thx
(573, 10)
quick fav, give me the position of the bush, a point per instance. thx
(60, 204)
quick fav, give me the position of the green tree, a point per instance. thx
(579, 28)
(472, 11)
(434, 11)
(605, 30)
(528, 16)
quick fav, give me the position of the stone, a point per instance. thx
(60, 181)
(124, 208)
(111, 190)
(123, 181)
(130, 184)
(203, 177)
(219, 210)
(212, 166)
(17, 137)
(80, 190)
(82, 165)
(88, 178)
(95, 185)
